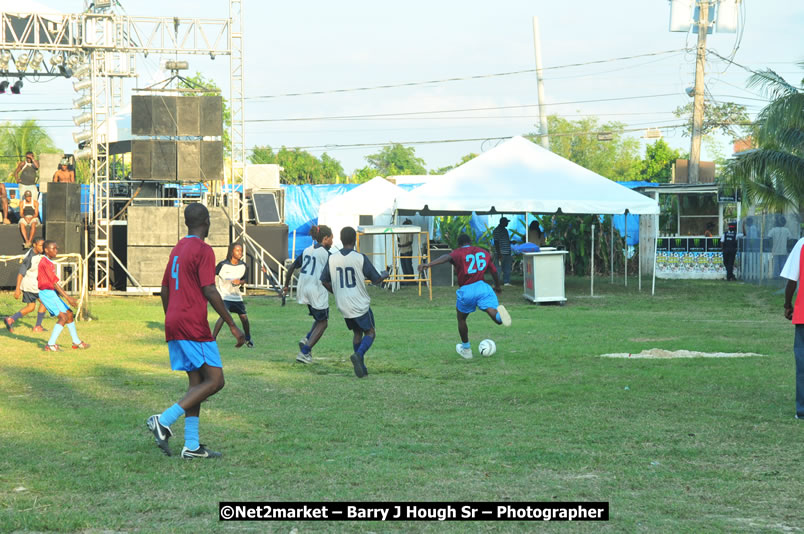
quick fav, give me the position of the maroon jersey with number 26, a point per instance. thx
(471, 264)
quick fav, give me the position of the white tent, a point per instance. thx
(519, 176)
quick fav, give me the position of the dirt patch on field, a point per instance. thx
(666, 354)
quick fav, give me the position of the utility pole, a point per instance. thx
(698, 102)
(545, 141)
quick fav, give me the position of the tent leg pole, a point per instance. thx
(611, 252)
(592, 288)
(625, 247)
(655, 253)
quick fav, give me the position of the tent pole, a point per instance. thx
(611, 252)
(639, 261)
(592, 289)
(655, 253)
(625, 239)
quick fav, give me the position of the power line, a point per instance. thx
(461, 78)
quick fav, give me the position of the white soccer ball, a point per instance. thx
(487, 347)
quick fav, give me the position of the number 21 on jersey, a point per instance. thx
(477, 262)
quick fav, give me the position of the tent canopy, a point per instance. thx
(519, 176)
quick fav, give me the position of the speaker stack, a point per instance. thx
(63, 216)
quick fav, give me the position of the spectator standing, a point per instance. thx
(405, 242)
(64, 174)
(779, 235)
(25, 174)
(502, 246)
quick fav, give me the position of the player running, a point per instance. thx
(52, 296)
(344, 276)
(187, 286)
(28, 287)
(230, 275)
(310, 291)
(471, 264)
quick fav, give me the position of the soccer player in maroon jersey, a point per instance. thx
(187, 286)
(471, 264)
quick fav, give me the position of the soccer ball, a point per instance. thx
(487, 347)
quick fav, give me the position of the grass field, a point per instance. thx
(692, 445)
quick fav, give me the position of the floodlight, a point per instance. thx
(36, 61)
(73, 61)
(84, 153)
(5, 59)
(81, 85)
(3, 87)
(57, 60)
(82, 101)
(82, 118)
(81, 72)
(16, 88)
(21, 62)
(80, 137)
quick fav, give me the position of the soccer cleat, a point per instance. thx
(505, 317)
(161, 433)
(357, 363)
(466, 354)
(81, 345)
(304, 358)
(250, 344)
(39, 328)
(52, 348)
(9, 324)
(200, 452)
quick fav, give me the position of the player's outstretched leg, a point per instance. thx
(77, 343)
(305, 348)
(54, 336)
(499, 315)
(192, 446)
(40, 316)
(464, 349)
(246, 329)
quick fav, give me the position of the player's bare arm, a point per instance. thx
(165, 295)
(70, 300)
(789, 291)
(214, 298)
(497, 286)
(446, 258)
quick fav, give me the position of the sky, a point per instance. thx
(315, 46)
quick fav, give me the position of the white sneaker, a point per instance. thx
(304, 358)
(504, 315)
(466, 354)
(506, 284)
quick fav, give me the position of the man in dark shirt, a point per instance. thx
(25, 174)
(730, 250)
(502, 246)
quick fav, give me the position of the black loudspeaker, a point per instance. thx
(164, 115)
(187, 116)
(141, 120)
(211, 115)
(266, 208)
(189, 160)
(63, 202)
(66, 234)
(163, 160)
(274, 239)
(141, 159)
(211, 160)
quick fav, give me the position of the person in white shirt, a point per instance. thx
(310, 291)
(779, 236)
(230, 275)
(345, 275)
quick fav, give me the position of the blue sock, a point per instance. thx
(39, 318)
(498, 318)
(365, 345)
(191, 433)
(310, 333)
(305, 349)
(73, 333)
(466, 345)
(356, 346)
(54, 335)
(170, 415)
(16, 316)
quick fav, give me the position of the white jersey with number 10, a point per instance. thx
(347, 271)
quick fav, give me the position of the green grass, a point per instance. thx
(694, 445)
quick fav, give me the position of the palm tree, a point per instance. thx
(17, 139)
(772, 175)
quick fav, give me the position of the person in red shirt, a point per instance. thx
(53, 296)
(471, 264)
(187, 285)
(795, 313)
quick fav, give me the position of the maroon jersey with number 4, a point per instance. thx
(191, 266)
(471, 264)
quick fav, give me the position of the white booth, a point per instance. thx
(544, 275)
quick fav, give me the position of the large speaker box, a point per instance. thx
(189, 160)
(187, 116)
(274, 239)
(211, 160)
(66, 234)
(164, 115)
(141, 110)
(63, 202)
(211, 111)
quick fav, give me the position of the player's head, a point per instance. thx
(37, 245)
(534, 228)
(322, 234)
(28, 195)
(196, 217)
(781, 221)
(51, 249)
(464, 240)
(235, 251)
(348, 236)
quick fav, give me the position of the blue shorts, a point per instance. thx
(52, 302)
(188, 355)
(318, 315)
(476, 295)
(364, 323)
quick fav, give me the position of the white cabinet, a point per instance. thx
(544, 276)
